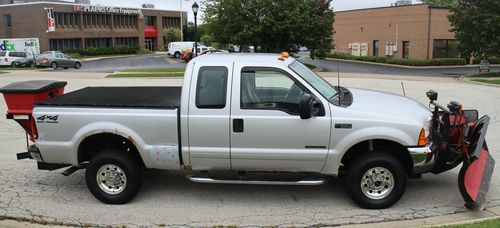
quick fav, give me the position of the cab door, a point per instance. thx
(209, 116)
(267, 132)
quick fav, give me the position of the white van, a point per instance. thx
(175, 48)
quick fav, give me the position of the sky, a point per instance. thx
(338, 5)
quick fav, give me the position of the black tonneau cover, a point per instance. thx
(119, 97)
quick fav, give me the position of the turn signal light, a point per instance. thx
(422, 139)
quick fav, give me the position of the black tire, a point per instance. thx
(130, 169)
(13, 65)
(78, 65)
(53, 65)
(375, 161)
(177, 55)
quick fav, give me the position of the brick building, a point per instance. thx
(79, 26)
(408, 31)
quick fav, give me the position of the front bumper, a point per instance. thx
(424, 158)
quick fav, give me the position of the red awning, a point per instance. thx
(150, 32)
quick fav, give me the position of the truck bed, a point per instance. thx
(119, 97)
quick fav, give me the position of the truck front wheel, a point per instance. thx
(113, 177)
(376, 180)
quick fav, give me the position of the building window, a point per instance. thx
(149, 21)
(65, 44)
(97, 42)
(7, 18)
(127, 42)
(66, 20)
(445, 49)
(406, 49)
(375, 47)
(171, 22)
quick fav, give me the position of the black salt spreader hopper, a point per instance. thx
(459, 136)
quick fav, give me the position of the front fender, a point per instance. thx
(340, 146)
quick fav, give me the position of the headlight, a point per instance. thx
(424, 135)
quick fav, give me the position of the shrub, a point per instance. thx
(398, 61)
(106, 51)
(492, 60)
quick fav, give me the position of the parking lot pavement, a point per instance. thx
(111, 65)
(167, 198)
(367, 68)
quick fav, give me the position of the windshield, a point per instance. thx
(321, 85)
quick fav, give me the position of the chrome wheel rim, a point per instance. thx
(111, 179)
(377, 183)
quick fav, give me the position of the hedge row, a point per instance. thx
(492, 60)
(407, 62)
(105, 51)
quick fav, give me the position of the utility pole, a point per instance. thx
(182, 32)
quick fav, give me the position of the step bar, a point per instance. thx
(209, 180)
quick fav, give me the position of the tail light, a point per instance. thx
(6, 59)
(44, 59)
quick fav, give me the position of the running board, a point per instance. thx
(209, 180)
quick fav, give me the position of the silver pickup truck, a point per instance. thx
(244, 119)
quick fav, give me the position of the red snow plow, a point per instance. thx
(459, 137)
(20, 98)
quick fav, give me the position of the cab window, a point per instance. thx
(211, 87)
(270, 89)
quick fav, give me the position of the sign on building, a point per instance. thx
(51, 23)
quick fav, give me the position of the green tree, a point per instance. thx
(476, 24)
(272, 26)
(172, 35)
(441, 3)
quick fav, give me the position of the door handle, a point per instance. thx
(238, 125)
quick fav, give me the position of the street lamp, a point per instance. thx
(195, 12)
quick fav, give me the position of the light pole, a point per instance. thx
(195, 12)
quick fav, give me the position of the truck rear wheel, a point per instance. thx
(376, 180)
(113, 177)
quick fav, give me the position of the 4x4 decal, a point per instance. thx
(48, 119)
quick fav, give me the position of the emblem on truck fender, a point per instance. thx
(48, 119)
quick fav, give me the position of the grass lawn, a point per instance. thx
(486, 75)
(158, 70)
(490, 81)
(484, 224)
(146, 75)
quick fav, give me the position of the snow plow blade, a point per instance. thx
(475, 176)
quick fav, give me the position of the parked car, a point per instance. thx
(55, 60)
(175, 48)
(28, 61)
(242, 119)
(52, 52)
(187, 53)
(8, 58)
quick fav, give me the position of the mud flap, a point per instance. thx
(475, 178)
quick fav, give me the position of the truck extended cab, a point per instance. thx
(247, 116)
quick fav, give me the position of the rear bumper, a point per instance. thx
(424, 158)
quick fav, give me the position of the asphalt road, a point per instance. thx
(364, 68)
(127, 63)
(167, 198)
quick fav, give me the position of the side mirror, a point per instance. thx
(306, 106)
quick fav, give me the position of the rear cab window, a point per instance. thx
(211, 87)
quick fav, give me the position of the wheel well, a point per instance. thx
(95, 144)
(393, 148)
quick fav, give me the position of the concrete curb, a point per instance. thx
(444, 220)
(411, 67)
